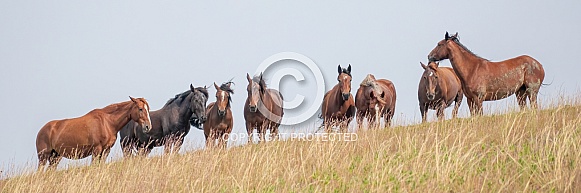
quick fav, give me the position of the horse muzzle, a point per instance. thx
(430, 96)
(203, 119)
(345, 96)
(146, 128)
(221, 113)
(252, 108)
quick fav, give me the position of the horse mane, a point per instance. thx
(180, 96)
(185, 94)
(344, 70)
(226, 87)
(204, 91)
(457, 40)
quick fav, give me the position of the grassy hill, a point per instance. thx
(520, 151)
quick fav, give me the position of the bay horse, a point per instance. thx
(219, 120)
(338, 106)
(169, 125)
(91, 134)
(439, 87)
(263, 108)
(375, 99)
(483, 80)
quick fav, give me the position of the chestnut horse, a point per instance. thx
(483, 80)
(439, 87)
(170, 124)
(375, 99)
(91, 134)
(338, 106)
(219, 120)
(263, 108)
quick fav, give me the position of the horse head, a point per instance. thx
(344, 79)
(256, 89)
(430, 77)
(140, 113)
(198, 104)
(223, 98)
(442, 51)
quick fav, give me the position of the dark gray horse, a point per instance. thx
(169, 125)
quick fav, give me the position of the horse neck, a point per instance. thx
(464, 62)
(184, 110)
(119, 114)
(338, 94)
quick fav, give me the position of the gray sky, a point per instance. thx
(61, 59)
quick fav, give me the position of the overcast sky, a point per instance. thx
(61, 59)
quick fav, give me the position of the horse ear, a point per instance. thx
(447, 36)
(133, 99)
(248, 78)
(423, 65)
(192, 88)
(455, 35)
(216, 86)
(437, 64)
(349, 69)
(339, 69)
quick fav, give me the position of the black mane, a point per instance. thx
(344, 70)
(180, 96)
(457, 40)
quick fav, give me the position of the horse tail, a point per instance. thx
(549, 84)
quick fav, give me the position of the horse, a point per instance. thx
(375, 99)
(438, 88)
(263, 108)
(170, 124)
(91, 134)
(338, 108)
(483, 80)
(219, 120)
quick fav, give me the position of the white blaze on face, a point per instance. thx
(147, 111)
(222, 95)
(431, 74)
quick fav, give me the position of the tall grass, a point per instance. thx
(519, 151)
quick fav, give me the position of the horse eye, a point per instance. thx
(140, 109)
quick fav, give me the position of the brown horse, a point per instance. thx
(483, 80)
(91, 134)
(219, 120)
(338, 106)
(375, 99)
(263, 108)
(439, 87)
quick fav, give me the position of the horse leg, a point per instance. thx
(249, 130)
(359, 118)
(210, 139)
(43, 157)
(457, 103)
(388, 116)
(98, 154)
(532, 95)
(440, 111)
(274, 131)
(262, 132)
(127, 146)
(475, 106)
(423, 111)
(521, 97)
(53, 160)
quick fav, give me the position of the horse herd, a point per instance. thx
(141, 129)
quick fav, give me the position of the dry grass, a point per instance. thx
(528, 151)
